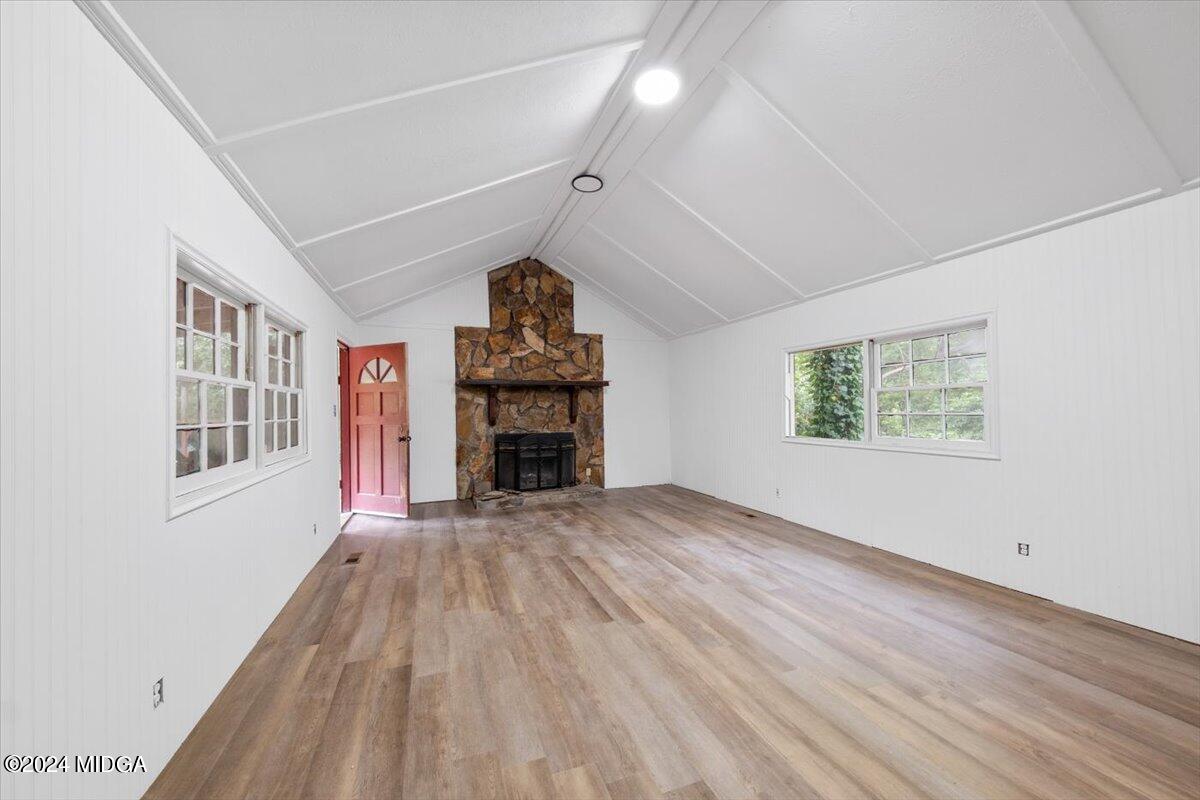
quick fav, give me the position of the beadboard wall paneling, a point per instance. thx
(636, 411)
(1096, 368)
(101, 595)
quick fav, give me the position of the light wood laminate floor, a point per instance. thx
(659, 643)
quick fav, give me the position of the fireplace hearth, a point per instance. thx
(528, 462)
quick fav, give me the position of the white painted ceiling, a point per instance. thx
(398, 147)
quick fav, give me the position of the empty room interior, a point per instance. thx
(674, 399)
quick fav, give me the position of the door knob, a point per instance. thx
(404, 439)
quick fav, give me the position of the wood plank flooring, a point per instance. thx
(656, 643)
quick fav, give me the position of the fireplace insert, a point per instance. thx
(530, 461)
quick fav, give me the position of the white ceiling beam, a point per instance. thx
(575, 56)
(740, 83)
(459, 246)
(438, 202)
(650, 267)
(408, 298)
(616, 108)
(704, 37)
(579, 276)
(696, 215)
(1131, 124)
(681, 37)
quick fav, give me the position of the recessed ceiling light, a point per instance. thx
(656, 86)
(587, 183)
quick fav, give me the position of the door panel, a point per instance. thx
(391, 480)
(368, 460)
(379, 429)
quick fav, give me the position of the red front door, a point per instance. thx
(379, 435)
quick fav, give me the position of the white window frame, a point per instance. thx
(187, 262)
(988, 448)
(295, 386)
(185, 484)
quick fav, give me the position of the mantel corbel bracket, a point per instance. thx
(493, 404)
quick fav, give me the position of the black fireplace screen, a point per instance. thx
(529, 461)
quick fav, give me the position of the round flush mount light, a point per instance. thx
(587, 183)
(656, 86)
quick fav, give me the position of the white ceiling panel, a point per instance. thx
(374, 248)
(772, 193)
(246, 65)
(422, 276)
(648, 292)
(964, 121)
(340, 171)
(685, 250)
(396, 146)
(1154, 47)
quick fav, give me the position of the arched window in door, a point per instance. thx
(377, 370)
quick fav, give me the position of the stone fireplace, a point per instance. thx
(528, 372)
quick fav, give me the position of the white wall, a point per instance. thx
(1097, 377)
(101, 595)
(636, 412)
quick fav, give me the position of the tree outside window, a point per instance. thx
(828, 392)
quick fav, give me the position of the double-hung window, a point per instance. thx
(214, 423)
(928, 389)
(237, 397)
(283, 393)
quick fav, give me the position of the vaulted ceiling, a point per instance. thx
(396, 148)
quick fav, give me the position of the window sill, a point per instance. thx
(199, 498)
(981, 455)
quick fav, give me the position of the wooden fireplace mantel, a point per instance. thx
(494, 385)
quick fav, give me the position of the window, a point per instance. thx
(237, 398)
(377, 370)
(213, 422)
(932, 387)
(828, 386)
(928, 389)
(282, 393)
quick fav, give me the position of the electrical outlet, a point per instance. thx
(1022, 549)
(158, 692)
(588, 472)
(778, 492)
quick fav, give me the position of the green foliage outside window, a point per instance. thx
(829, 392)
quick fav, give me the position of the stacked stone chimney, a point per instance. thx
(531, 336)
